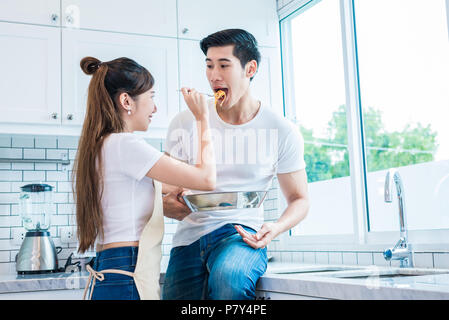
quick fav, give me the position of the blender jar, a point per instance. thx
(36, 201)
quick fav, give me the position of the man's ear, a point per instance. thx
(251, 68)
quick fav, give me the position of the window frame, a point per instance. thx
(362, 238)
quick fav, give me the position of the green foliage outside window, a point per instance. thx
(328, 158)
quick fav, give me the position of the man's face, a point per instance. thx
(224, 71)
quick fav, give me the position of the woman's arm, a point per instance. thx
(202, 176)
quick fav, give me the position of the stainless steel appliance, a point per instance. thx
(37, 253)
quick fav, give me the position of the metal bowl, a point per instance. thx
(224, 200)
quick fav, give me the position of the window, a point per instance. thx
(368, 80)
(316, 52)
(403, 54)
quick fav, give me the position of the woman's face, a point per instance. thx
(142, 111)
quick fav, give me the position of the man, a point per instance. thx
(222, 254)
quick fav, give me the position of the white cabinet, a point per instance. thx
(199, 18)
(192, 69)
(151, 17)
(30, 65)
(273, 295)
(266, 85)
(46, 12)
(158, 55)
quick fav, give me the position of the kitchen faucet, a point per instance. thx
(402, 250)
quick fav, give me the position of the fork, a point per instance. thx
(206, 94)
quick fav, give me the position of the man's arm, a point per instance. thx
(174, 205)
(295, 190)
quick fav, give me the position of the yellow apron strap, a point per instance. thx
(148, 266)
(99, 275)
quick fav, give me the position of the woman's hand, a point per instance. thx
(196, 103)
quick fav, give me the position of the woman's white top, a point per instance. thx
(128, 195)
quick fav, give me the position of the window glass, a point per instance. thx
(319, 95)
(403, 56)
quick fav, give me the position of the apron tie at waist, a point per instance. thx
(99, 275)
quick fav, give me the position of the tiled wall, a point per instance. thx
(14, 175)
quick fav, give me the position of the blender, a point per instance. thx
(37, 253)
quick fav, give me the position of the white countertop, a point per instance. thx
(318, 284)
(325, 285)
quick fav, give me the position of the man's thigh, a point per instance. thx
(234, 269)
(186, 275)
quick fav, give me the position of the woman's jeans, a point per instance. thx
(116, 286)
(219, 266)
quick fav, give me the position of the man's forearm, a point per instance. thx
(295, 212)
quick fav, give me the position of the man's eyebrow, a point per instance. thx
(222, 59)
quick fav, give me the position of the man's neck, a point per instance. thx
(243, 111)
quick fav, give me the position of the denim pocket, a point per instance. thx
(115, 290)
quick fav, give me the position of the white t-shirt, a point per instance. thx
(248, 157)
(128, 195)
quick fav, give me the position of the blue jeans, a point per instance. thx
(218, 266)
(116, 286)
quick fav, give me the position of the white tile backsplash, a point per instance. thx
(15, 175)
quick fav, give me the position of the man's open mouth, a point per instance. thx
(225, 90)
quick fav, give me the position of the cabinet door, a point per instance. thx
(30, 64)
(46, 12)
(151, 17)
(158, 55)
(199, 18)
(192, 69)
(266, 85)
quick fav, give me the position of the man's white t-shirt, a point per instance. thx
(128, 194)
(248, 156)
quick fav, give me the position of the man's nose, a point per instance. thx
(214, 74)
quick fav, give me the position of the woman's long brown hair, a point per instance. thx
(103, 117)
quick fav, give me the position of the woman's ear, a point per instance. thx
(125, 101)
(251, 68)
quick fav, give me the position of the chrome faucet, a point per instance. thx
(402, 250)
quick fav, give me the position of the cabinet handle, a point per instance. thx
(70, 116)
(54, 115)
(185, 30)
(69, 19)
(54, 17)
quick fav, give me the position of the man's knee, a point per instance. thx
(231, 283)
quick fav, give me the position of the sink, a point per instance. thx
(310, 269)
(386, 273)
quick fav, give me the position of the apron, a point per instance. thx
(147, 272)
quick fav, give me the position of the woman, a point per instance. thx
(114, 169)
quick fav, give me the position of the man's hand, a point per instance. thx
(262, 238)
(174, 205)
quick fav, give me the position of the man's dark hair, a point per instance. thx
(245, 45)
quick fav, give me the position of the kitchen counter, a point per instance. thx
(273, 285)
(11, 283)
(324, 285)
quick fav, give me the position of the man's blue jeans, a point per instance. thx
(218, 266)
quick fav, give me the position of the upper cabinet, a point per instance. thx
(157, 55)
(45, 12)
(30, 64)
(199, 18)
(150, 17)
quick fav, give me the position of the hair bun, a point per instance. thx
(89, 65)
